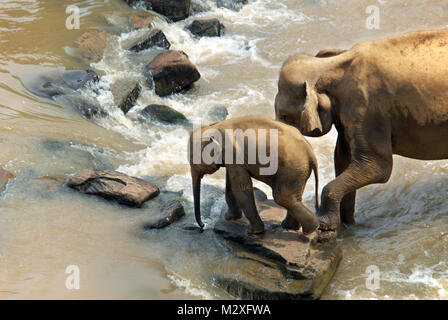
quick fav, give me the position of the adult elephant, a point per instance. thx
(385, 97)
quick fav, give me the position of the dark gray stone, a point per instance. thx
(217, 114)
(126, 93)
(206, 28)
(155, 39)
(113, 185)
(170, 212)
(174, 10)
(235, 5)
(161, 113)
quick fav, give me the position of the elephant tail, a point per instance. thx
(316, 178)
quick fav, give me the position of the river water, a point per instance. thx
(401, 226)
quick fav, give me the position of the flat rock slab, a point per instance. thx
(278, 264)
(5, 176)
(170, 212)
(171, 71)
(156, 38)
(141, 20)
(114, 185)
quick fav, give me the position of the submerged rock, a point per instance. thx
(170, 212)
(113, 185)
(48, 184)
(155, 39)
(217, 114)
(5, 176)
(141, 20)
(278, 264)
(231, 4)
(161, 113)
(171, 71)
(174, 10)
(89, 108)
(206, 28)
(92, 44)
(125, 93)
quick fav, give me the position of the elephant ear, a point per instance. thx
(309, 120)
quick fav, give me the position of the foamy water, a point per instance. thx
(401, 226)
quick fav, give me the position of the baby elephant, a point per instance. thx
(255, 147)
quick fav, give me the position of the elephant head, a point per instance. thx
(205, 157)
(299, 102)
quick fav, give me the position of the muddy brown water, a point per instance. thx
(402, 226)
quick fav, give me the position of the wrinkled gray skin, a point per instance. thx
(296, 160)
(385, 97)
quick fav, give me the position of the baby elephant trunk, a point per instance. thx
(197, 197)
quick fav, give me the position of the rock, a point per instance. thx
(206, 28)
(126, 93)
(171, 212)
(174, 10)
(92, 44)
(231, 4)
(85, 106)
(62, 83)
(171, 71)
(155, 39)
(141, 20)
(161, 113)
(5, 176)
(278, 264)
(48, 184)
(217, 114)
(114, 185)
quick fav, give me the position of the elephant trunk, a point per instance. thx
(196, 177)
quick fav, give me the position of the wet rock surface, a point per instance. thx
(92, 44)
(170, 212)
(141, 20)
(5, 176)
(161, 113)
(278, 264)
(48, 184)
(217, 113)
(156, 38)
(125, 93)
(174, 10)
(113, 185)
(171, 72)
(235, 5)
(206, 28)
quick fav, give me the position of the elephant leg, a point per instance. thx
(342, 158)
(289, 223)
(234, 211)
(368, 170)
(242, 189)
(288, 195)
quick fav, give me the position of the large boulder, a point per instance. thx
(174, 10)
(161, 113)
(171, 71)
(92, 44)
(278, 264)
(125, 93)
(170, 212)
(155, 39)
(114, 185)
(206, 28)
(5, 176)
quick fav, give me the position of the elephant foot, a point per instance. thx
(256, 229)
(290, 224)
(231, 216)
(329, 222)
(310, 226)
(348, 219)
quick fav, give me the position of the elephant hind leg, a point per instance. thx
(289, 223)
(242, 189)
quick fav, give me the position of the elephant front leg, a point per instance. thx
(369, 170)
(242, 189)
(234, 211)
(289, 223)
(342, 158)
